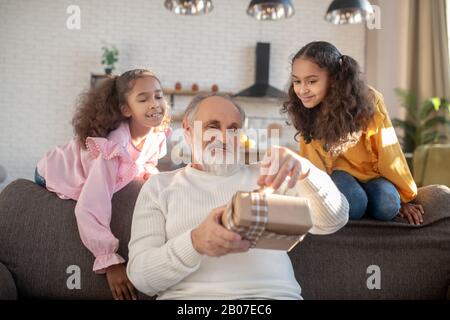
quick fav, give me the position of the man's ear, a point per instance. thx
(187, 131)
(185, 124)
(126, 111)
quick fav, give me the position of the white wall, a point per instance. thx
(44, 65)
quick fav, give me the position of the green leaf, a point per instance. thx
(408, 101)
(429, 137)
(406, 125)
(436, 103)
(445, 105)
(426, 108)
(433, 122)
(409, 137)
(110, 54)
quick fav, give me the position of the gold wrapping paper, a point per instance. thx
(268, 221)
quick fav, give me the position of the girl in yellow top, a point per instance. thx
(344, 129)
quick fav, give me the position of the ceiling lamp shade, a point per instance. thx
(270, 9)
(189, 7)
(349, 11)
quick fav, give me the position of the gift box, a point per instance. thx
(268, 221)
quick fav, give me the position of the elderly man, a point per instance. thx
(178, 247)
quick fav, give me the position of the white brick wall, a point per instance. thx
(44, 65)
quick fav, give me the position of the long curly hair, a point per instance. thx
(346, 110)
(98, 110)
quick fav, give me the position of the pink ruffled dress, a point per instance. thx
(91, 176)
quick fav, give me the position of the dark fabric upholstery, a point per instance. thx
(414, 261)
(39, 240)
(8, 290)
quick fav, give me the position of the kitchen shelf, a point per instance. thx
(96, 78)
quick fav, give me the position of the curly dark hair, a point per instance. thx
(98, 110)
(345, 111)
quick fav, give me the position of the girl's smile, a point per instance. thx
(155, 115)
(305, 100)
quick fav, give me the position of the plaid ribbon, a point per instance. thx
(256, 230)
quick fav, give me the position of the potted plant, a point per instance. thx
(421, 124)
(109, 58)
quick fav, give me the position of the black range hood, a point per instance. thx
(262, 88)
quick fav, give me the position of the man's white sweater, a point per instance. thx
(163, 261)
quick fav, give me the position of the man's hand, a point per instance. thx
(118, 282)
(412, 212)
(212, 239)
(279, 163)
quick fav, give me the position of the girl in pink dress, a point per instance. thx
(120, 133)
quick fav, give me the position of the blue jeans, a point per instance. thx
(38, 179)
(378, 197)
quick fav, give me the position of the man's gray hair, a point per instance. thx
(192, 108)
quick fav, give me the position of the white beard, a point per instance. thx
(221, 163)
(221, 169)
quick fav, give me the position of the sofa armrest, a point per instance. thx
(8, 290)
(435, 200)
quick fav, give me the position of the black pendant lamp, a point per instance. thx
(349, 11)
(189, 7)
(270, 9)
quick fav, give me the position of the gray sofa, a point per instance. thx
(39, 241)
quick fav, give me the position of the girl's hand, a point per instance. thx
(412, 212)
(120, 285)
